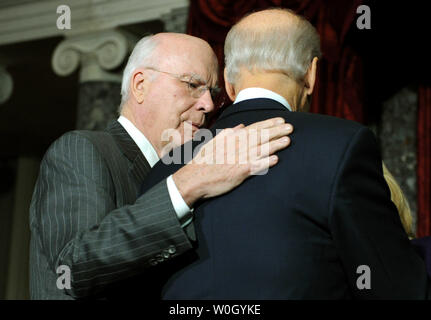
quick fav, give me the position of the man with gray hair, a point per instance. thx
(91, 235)
(319, 225)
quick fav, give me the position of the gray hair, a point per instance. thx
(141, 56)
(289, 49)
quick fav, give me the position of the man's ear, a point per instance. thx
(230, 90)
(138, 86)
(310, 77)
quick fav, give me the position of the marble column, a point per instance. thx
(397, 134)
(176, 20)
(97, 55)
(7, 172)
(6, 85)
(18, 278)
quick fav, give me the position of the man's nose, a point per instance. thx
(205, 102)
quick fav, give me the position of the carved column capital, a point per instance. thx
(6, 85)
(176, 20)
(96, 53)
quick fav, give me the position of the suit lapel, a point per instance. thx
(139, 165)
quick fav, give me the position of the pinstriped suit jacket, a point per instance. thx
(83, 217)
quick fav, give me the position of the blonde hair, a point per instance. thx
(400, 201)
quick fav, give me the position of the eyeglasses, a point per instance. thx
(195, 85)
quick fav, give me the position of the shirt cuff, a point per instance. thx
(180, 206)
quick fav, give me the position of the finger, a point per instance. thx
(259, 137)
(240, 126)
(266, 123)
(261, 166)
(268, 149)
(275, 132)
(272, 147)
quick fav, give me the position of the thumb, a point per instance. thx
(240, 126)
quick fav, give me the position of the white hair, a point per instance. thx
(281, 47)
(141, 56)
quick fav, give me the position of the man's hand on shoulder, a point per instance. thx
(231, 157)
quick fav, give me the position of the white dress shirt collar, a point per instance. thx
(144, 145)
(255, 93)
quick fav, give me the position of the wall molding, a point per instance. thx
(31, 21)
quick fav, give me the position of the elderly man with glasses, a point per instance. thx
(92, 236)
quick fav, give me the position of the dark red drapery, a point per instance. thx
(339, 89)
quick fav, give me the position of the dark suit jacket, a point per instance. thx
(302, 230)
(87, 216)
(423, 247)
